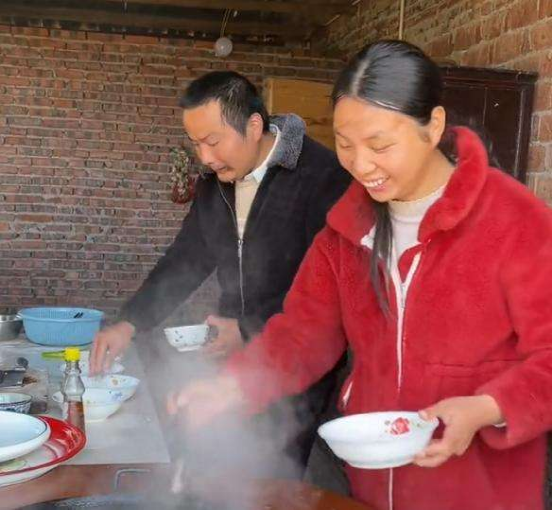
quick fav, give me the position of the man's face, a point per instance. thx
(218, 145)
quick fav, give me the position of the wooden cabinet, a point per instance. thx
(495, 103)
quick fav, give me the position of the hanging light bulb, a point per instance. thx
(223, 47)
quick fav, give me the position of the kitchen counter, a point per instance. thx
(114, 440)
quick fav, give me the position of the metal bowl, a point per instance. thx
(10, 326)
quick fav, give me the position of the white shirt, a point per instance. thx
(246, 188)
(406, 218)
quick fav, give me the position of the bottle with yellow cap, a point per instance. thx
(72, 389)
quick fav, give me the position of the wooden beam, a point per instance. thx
(122, 19)
(326, 8)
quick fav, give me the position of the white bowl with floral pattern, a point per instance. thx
(378, 440)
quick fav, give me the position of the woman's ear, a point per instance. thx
(437, 125)
(255, 127)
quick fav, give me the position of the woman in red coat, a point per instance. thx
(436, 270)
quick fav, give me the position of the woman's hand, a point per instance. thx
(202, 401)
(462, 417)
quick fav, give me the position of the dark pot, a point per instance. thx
(124, 502)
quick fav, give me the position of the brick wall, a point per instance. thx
(86, 124)
(514, 34)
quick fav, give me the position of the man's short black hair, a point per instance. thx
(237, 96)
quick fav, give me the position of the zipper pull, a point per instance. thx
(240, 247)
(403, 296)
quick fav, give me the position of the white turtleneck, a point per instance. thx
(406, 218)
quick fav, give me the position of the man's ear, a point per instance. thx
(254, 127)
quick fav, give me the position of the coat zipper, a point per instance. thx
(401, 293)
(240, 246)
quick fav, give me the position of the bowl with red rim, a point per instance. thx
(378, 440)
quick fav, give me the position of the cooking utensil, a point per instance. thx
(78, 315)
(177, 448)
(10, 326)
(14, 376)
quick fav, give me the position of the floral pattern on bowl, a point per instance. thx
(15, 402)
(398, 426)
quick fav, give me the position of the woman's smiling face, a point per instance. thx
(389, 153)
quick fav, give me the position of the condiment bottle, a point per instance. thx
(72, 389)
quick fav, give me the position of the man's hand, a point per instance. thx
(462, 417)
(227, 341)
(108, 344)
(202, 401)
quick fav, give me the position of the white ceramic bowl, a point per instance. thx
(84, 365)
(187, 338)
(124, 384)
(378, 440)
(20, 434)
(15, 402)
(99, 404)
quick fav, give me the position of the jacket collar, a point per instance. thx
(290, 143)
(352, 215)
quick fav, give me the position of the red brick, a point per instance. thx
(440, 47)
(492, 26)
(141, 39)
(548, 157)
(545, 128)
(545, 8)
(509, 46)
(464, 37)
(521, 14)
(529, 63)
(35, 218)
(537, 154)
(68, 34)
(544, 188)
(543, 96)
(95, 36)
(545, 65)
(541, 35)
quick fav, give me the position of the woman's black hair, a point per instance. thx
(397, 76)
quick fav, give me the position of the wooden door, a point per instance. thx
(308, 99)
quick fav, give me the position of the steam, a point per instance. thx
(223, 461)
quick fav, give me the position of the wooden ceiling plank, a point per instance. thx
(323, 8)
(90, 16)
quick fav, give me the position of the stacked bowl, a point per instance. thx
(20, 434)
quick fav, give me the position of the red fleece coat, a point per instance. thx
(478, 319)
